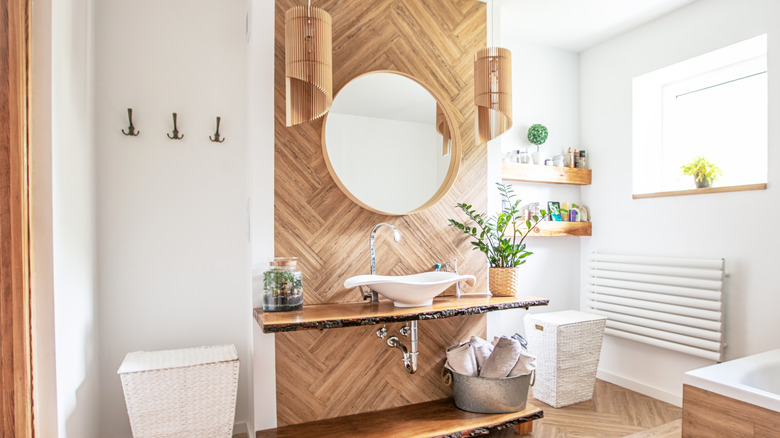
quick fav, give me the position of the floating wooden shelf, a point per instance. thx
(431, 419)
(559, 229)
(324, 316)
(544, 174)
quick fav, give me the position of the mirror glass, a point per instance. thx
(382, 145)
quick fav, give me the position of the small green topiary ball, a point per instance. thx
(537, 134)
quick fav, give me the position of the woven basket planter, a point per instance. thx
(504, 282)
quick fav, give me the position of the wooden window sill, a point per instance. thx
(703, 191)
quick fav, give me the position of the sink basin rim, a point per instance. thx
(413, 290)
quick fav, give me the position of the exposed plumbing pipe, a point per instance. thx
(410, 355)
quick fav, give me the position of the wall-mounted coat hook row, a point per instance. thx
(216, 137)
(175, 135)
(175, 132)
(130, 129)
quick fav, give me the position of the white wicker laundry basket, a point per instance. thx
(567, 346)
(189, 392)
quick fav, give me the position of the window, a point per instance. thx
(713, 106)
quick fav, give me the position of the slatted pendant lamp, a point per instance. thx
(493, 90)
(444, 129)
(308, 48)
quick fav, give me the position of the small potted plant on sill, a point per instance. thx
(704, 172)
(537, 135)
(502, 238)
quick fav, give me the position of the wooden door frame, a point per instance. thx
(16, 360)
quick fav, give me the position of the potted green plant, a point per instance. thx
(537, 135)
(502, 239)
(704, 172)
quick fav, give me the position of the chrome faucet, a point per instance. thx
(397, 236)
(447, 269)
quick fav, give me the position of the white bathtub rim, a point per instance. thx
(724, 379)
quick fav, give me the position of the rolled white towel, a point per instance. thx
(525, 364)
(461, 359)
(482, 350)
(504, 357)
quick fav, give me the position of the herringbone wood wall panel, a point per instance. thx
(346, 371)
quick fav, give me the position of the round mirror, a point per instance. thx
(388, 144)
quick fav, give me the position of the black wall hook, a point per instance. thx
(175, 132)
(216, 137)
(130, 129)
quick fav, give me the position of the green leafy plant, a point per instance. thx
(701, 169)
(501, 237)
(537, 134)
(284, 283)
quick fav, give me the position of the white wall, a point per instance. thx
(735, 226)
(172, 215)
(545, 89)
(42, 265)
(260, 100)
(73, 219)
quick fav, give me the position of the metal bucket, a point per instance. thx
(487, 395)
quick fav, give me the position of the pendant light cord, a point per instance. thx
(492, 24)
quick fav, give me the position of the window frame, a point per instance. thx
(654, 108)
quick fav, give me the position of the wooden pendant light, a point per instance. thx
(444, 129)
(493, 92)
(308, 47)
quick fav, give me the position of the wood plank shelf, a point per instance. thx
(438, 418)
(560, 229)
(326, 316)
(545, 174)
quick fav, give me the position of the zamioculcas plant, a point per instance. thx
(501, 238)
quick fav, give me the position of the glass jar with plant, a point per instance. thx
(704, 172)
(501, 238)
(537, 135)
(283, 286)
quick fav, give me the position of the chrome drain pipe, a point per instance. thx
(410, 354)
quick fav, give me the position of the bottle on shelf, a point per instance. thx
(581, 160)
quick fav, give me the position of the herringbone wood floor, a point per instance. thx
(613, 412)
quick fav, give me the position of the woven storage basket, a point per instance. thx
(189, 392)
(567, 346)
(504, 282)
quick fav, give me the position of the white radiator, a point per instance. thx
(672, 303)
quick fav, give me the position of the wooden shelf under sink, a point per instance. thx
(325, 316)
(421, 420)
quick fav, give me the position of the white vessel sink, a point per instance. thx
(410, 290)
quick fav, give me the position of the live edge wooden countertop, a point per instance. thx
(325, 316)
(438, 418)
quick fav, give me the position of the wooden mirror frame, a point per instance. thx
(16, 361)
(456, 150)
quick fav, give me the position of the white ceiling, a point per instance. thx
(576, 25)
